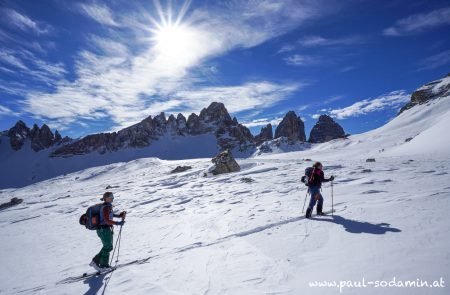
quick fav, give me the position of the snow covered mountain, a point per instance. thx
(244, 232)
(33, 155)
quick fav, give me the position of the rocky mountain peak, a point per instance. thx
(265, 134)
(215, 113)
(432, 90)
(291, 127)
(40, 138)
(325, 129)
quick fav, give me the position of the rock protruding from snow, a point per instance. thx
(265, 134)
(291, 127)
(14, 201)
(429, 91)
(40, 138)
(214, 119)
(326, 129)
(179, 169)
(224, 162)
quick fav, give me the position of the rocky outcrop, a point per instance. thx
(18, 134)
(325, 129)
(40, 138)
(14, 201)
(265, 134)
(179, 169)
(214, 119)
(224, 162)
(429, 91)
(291, 127)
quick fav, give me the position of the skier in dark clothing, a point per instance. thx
(315, 183)
(105, 231)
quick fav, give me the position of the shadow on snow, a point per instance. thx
(359, 227)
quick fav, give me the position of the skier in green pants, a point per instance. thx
(105, 232)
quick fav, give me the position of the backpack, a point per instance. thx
(307, 178)
(91, 219)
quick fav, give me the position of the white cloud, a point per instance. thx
(5, 111)
(11, 60)
(347, 69)
(315, 116)
(299, 60)
(435, 61)
(392, 100)
(25, 23)
(315, 41)
(98, 12)
(418, 23)
(129, 85)
(239, 98)
(263, 122)
(24, 63)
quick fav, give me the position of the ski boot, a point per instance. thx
(319, 210)
(308, 213)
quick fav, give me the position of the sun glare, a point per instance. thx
(172, 38)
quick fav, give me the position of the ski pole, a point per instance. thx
(332, 199)
(306, 196)
(115, 246)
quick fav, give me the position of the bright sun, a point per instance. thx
(172, 38)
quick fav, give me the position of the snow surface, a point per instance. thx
(222, 235)
(27, 166)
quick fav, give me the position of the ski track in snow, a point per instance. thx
(239, 233)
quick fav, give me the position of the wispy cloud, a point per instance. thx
(262, 122)
(128, 85)
(239, 98)
(435, 61)
(11, 60)
(347, 69)
(315, 41)
(320, 41)
(299, 60)
(21, 21)
(98, 12)
(24, 63)
(4, 110)
(418, 23)
(392, 100)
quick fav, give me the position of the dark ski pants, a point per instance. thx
(106, 236)
(316, 196)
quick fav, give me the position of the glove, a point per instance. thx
(332, 178)
(122, 215)
(120, 222)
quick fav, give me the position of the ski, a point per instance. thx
(88, 275)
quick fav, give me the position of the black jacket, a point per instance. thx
(317, 178)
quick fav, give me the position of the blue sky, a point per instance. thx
(92, 66)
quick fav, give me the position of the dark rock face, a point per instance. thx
(214, 119)
(14, 201)
(224, 162)
(18, 134)
(429, 91)
(40, 138)
(179, 169)
(291, 127)
(265, 134)
(325, 129)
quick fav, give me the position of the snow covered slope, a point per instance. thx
(27, 166)
(421, 130)
(222, 235)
